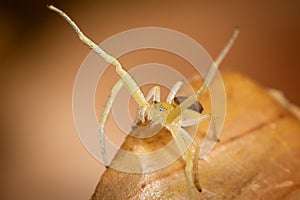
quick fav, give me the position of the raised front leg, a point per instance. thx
(128, 81)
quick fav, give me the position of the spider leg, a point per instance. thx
(196, 120)
(209, 77)
(196, 167)
(192, 119)
(196, 156)
(104, 116)
(128, 81)
(173, 91)
(186, 136)
(211, 137)
(210, 140)
(155, 93)
(186, 157)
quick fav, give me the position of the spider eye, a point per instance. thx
(155, 102)
(161, 108)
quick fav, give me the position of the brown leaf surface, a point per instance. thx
(257, 157)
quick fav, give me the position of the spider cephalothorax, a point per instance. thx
(158, 112)
(167, 113)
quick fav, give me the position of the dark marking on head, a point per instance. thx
(196, 106)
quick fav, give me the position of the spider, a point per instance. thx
(165, 113)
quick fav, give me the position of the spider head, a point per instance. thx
(159, 111)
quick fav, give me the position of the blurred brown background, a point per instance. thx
(41, 154)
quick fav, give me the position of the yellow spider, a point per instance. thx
(166, 113)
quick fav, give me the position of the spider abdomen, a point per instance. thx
(196, 106)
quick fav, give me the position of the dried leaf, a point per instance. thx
(257, 157)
